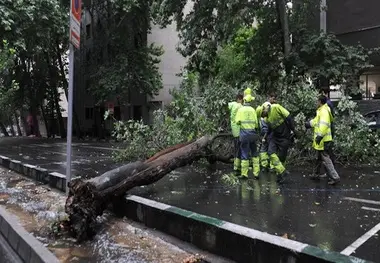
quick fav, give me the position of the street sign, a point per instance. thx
(75, 19)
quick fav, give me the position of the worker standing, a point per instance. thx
(233, 108)
(246, 118)
(323, 140)
(282, 129)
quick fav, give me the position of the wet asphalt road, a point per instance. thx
(89, 158)
(331, 217)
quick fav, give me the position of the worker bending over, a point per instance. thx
(281, 126)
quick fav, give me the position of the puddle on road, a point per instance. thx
(37, 207)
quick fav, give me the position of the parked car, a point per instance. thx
(373, 119)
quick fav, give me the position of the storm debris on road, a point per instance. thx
(119, 240)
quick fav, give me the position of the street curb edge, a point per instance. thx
(223, 238)
(24, 244)
(53, 179)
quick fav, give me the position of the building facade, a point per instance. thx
(354, 22)
(92, 54)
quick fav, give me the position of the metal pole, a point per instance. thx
(69, 116)
(323, 17)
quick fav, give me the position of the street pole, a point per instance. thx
(323, 17)
(69, 117)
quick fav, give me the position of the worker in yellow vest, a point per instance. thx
(246, 118)
(323, 140)
(247, 91)
(233, 108)
(282, 129)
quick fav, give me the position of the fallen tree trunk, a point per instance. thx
(88, 199)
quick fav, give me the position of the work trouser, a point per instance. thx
(278, 151)
(237, 155)
(324, 159)
(264, 157)
(248, 146)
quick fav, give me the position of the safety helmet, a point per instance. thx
(247, 91)
(249, 98)
(266, 106)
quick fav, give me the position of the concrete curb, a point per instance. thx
(28, 248)
(222, 238)
(53, 179)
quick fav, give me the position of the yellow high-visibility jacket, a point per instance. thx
(322, 126)
(233, 107)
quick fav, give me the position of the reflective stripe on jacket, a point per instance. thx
(246, 118)
(276, 116)
(322, 126)
(233, 108)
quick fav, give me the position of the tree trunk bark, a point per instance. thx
(284, 21)
(55, 99)
(19, 131)
(88, 199)
(11, 126)
(4, 130)
(62, 131)
(45, 122)
(24, 123)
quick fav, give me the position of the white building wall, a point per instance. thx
(171, 61)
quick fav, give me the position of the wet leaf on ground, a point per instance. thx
(230, 179)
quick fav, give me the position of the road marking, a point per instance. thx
(360, 241)
(370, 209)
(362, 200)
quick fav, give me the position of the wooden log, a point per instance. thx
(88, 199)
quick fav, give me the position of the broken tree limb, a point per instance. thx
(88, 199)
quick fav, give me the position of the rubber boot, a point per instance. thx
(256, 167)
(244, 169)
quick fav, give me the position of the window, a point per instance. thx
(137, 113)
(138, 40)
(87, 86)
(88, 31)
(117, 113)
(99, 25)
(100, 57)
(88, 55)
(89, 113)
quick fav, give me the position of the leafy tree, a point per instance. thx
(227, 53)
(35, 29)
(127, 62)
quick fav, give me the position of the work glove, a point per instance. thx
(307, 125)
(318, 139)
